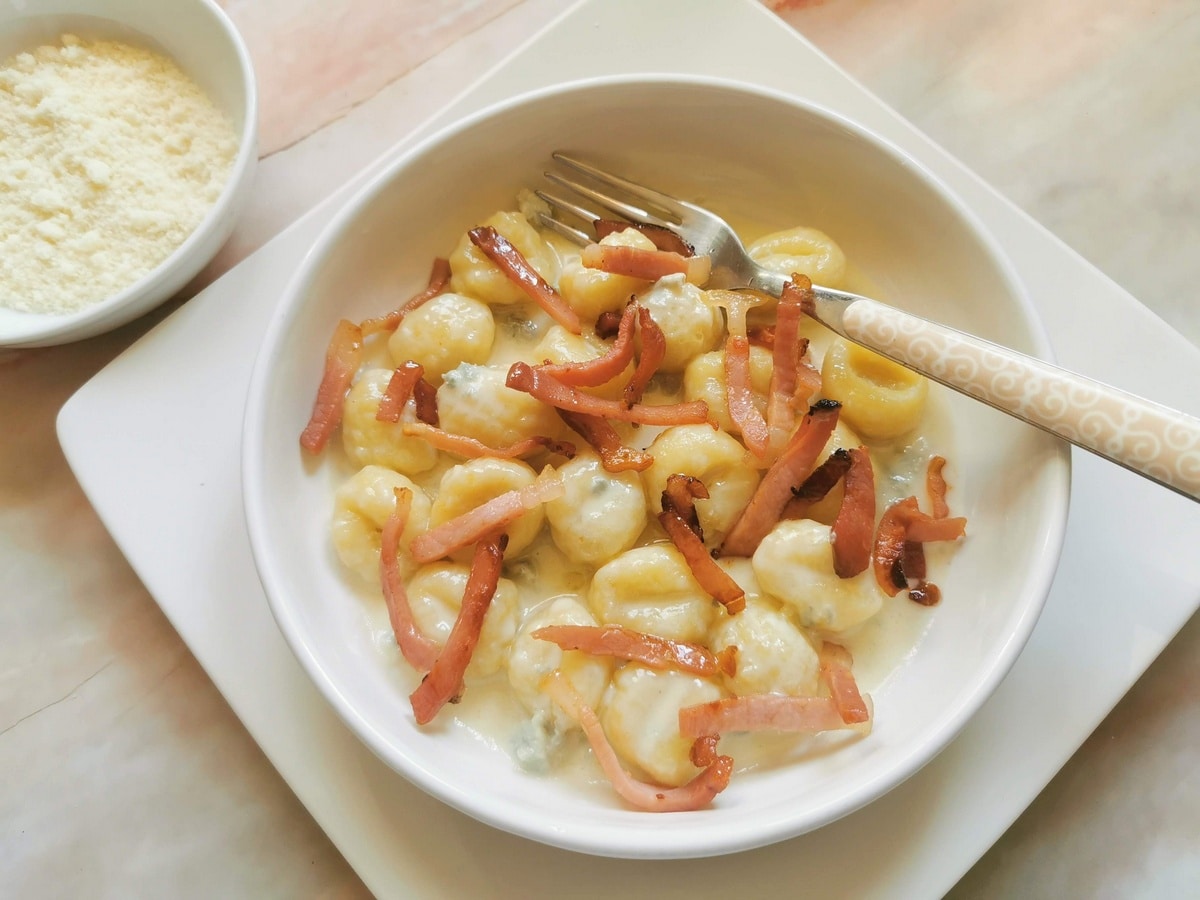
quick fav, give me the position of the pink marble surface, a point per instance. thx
(125, 773)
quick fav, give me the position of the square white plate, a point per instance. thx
(160, 429)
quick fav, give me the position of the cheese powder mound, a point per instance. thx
(110, 157)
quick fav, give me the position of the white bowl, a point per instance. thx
(756, 156)
(199, 37)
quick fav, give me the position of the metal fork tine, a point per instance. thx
(571, 234)
(620, 207)
(666, 202)
(559, 203)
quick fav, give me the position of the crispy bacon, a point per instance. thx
(838, 675)
(341, 362)
(889, 547)
(794, 465)
(654, 348)
(648, 649)
(545, 387)
(925, 528)
(520, 272)
(715, 581)
(594, 372)
(935, 486)
(696, 794)
(680, 496)
(470, 448)
(649, 265)
(764, 712)
(818, 484)
(425, 402)
(608, 323)
(614, 456)
(785, 361)
(854, 528)
(494, 515)
(399, 390)
(662, 238)
(761, 336)
(444, 682)
(740, 397)
(414, 646)
(439, 279)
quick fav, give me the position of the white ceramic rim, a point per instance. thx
(576, 835)
(45, 328)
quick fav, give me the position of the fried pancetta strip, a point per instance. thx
(681, 493)
(654, 348)
(648, 649)
(439, 279)
(794, 465)
(594, 372)
(696, 794)
(341, 362)
(925, 528)
(520, 272)
(649, 265)
(662, 238)
(740, 396)
(494, 515)
(935, 486)
(785, 361)
(818, 484)
(444, 682)
(838, 675)
(889, 546)
(715, 581)
(608, 323)
(853, 529)
(425, 402)
(470, 448)
(764, 712)
(399, 390)
(614, 456)
(761, 336)
(414, 646)
(545, 387)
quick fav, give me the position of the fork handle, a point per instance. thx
(1160, 443)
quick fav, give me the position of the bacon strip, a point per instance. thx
(740, 396)
(680, 496)
(548, 389)
(785, 360)
(414, 646)
(342, 358)
(470, 448)
(654, 348)
(818, 484)
(608, 323)
(793, 467)
(594, 372)
(924, 528)
(649, 265)
(425, 402)
(444, 682)
(520, 272)
(494, 515)
(889, 546)
(853, 530)
(696, 794)
(836, 671)
(614, 456)
(763, 712)
(935, 486)
(399, 390)
(761, 336)
(662, 238)
(439, 279)
(648, 649)
(715, 581)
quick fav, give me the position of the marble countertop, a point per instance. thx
(125, 772)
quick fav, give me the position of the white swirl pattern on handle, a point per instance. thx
(1159, 442)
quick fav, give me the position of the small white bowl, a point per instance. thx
(202, 41)
(755, 156)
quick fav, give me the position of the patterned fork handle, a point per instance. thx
(1160, 443)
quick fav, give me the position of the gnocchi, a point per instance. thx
(588, 546)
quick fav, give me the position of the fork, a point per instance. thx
(1153, 440)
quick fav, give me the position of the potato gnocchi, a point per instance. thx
(600, 617)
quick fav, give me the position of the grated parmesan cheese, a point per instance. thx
(110, 156)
